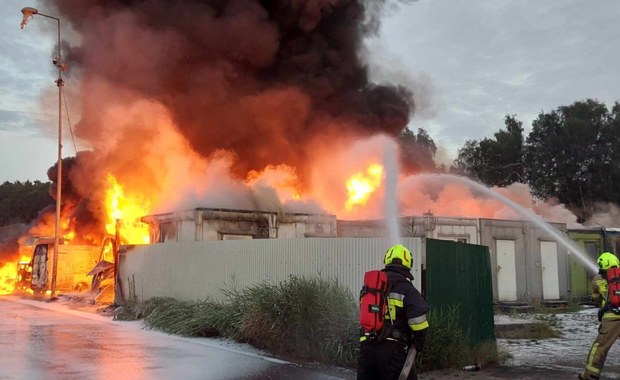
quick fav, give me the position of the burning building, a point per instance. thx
(224, 224)
(258, 117)
(235, 104)
(241, 104)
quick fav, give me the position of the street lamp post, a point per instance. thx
(29, 12)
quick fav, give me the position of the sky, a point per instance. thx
(468, 62)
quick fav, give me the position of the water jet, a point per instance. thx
(522, 211)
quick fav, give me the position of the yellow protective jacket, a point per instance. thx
(599, 295)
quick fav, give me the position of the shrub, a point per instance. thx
(310, 319)
(446, 344)
(133, 311)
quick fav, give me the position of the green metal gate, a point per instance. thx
(459, 274)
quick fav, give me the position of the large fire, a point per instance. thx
(276, 112)
(9, 275)
(269, 108)
(281, 178)
(361, 186)
(124, 212)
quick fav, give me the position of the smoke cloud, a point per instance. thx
(605, 215)
(260, 79)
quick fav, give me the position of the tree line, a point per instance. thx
(20, 202)
(572, 153)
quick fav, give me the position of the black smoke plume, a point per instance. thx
(258, 78)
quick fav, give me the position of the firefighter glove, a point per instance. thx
(419, 337)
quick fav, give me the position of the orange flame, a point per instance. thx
(360, 186)
(69, 235)
(8, 275)
(126, 210)
(282, 178)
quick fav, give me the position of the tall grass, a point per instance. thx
(447, 346)
(313, 318)
(308, 319)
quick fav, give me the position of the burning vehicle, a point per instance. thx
(24, 276)
(74, 263)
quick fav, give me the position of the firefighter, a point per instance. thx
(405, 319)
(609, 329)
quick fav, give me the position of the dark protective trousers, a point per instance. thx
(383, 360)
(608, 332)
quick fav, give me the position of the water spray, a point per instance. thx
(390, 163)
(563, 240)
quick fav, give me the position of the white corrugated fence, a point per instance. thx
(199, 270)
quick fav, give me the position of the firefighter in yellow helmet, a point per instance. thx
(405, 319)
(609, 329)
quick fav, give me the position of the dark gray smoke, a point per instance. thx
(258, 78)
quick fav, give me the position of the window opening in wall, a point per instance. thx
(167, 232)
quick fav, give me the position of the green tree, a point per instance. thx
(417, 150)
(21, 202)
(495, 162)
(572, 154)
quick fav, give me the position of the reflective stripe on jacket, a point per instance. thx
(406, 307)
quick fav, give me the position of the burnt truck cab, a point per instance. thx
(23, 279)
(74, 263)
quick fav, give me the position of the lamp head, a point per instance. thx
(28, 12)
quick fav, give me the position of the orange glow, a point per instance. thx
(68, 236)
(7, 278)
(282, 178)
(360, 186)
(127, 210)
(8, 275)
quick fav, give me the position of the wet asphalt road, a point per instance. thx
(40, 340)
(38, 343)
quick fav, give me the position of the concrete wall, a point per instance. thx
(197, 270)
(223, 224)
(464, 230)
(529, 270)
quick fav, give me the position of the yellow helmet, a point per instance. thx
(607, 260)
(398, 254)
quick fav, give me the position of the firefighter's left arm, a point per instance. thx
(416, 309)
(599, 290)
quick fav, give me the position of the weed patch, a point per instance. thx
(535, 330)
(307, 319)
(446, 344)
